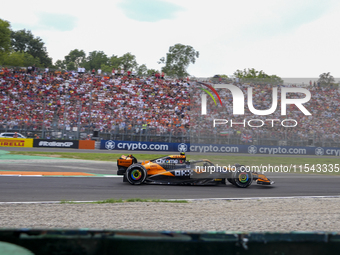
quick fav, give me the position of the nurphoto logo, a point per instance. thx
(239, 105)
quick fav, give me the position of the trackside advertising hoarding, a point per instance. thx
(218, 148)
(16, 142)
(143, 146)
(262, 149)
(48, 143)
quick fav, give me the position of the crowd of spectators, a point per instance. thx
(93, 102)
(54, 100)
(322, 125)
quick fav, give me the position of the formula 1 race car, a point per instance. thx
(176, 170)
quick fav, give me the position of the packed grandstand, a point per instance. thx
(151, 107)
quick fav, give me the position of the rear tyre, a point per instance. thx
(242, 177)
(135, 174)
(231, 180)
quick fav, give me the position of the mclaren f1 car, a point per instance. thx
(176, 170)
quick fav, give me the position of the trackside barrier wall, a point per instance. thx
(50, 143)
(263, 149)
(75, 144)
(92, 242)
(87, 144)
(218, 148)
(143, 146)
(16, 142)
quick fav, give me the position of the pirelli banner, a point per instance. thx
(16, 142)
(49, 143)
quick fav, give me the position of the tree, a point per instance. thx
(20, 59)
(5, 36)
(24, 41)
(326, 79)
(224, 76)
(95, 60)
(220, 78)
(150, 72)
(128, 61)
(260, 77)
(60, 64)
(106, 68)
(178, 59)
(142, 70)
(71, 66)
(114, 62)
(76, 57)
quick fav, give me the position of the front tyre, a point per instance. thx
(135, 174)
(242, 177)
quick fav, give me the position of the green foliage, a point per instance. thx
(24, 41)
(142, 70)
(326, 79)
(60, 64)
(106, 68)
(76, 57)
(150, 72)
(95, 60)
(86, 156)
(221, 76)
(5, 36)
(257, 77)
(178, 60)
(71, 66)
(114, 62)
(125, 62)
(21, 59)
(128, 61)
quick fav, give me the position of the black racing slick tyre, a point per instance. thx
(242, 177)
(231, 180)
(135, 174)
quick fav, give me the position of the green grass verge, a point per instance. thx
(113, 201)
(86, 156)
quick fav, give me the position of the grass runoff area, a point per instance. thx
(316, 165)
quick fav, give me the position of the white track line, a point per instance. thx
(198, 199)
(258, 198)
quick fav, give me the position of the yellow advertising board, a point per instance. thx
(16, 142)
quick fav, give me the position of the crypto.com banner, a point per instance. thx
(262, 149)
(143, 146)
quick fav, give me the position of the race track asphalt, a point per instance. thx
(98, 187)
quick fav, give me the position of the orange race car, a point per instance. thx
(176, 170)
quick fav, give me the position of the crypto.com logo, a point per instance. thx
(238, 100)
